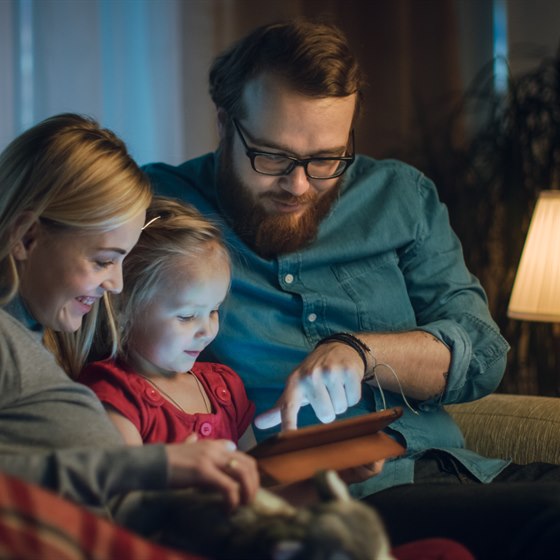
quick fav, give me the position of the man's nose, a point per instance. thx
(296, 183)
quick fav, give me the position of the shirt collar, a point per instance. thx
(17, 309)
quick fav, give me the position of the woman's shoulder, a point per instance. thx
(12, 337)
(14, 331)
(22, 354)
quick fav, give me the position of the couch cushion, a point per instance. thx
(521, 427)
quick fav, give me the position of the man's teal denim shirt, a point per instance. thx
(385, 260)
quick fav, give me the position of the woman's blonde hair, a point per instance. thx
(72, 174)
(174, 230)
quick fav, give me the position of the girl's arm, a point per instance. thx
(127, 429)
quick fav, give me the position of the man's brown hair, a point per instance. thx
(313, 58)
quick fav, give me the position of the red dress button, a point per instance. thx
(223, 394)
(153, 397)
(206, 428)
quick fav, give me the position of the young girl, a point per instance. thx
(175, 280)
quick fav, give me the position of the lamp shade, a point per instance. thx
(536, 290)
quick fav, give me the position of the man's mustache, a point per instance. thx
(288, 198)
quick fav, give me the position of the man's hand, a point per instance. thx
(329, 379)
(361, 473)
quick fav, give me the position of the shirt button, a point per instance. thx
(289, 278)
(206, 428)
(312, 317)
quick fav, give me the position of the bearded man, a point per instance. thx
(346, 269)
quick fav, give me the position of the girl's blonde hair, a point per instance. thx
(72, 174)
(173, 229)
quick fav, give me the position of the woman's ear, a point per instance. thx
(24, 234)
(222, 118)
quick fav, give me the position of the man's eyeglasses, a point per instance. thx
(269, 163)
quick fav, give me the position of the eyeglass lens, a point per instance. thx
(281, 165)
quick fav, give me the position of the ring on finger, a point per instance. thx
(232, 464)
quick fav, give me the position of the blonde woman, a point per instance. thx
(72, 206)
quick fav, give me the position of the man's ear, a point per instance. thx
(222, 119)
(24, 234)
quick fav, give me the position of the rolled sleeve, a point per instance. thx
(451, 304)
(478, 357)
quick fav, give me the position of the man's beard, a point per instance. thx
(269, 235)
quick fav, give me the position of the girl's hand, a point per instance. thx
(214, 464)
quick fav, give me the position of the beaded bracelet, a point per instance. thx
(360, 346)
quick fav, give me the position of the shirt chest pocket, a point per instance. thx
(376, 289)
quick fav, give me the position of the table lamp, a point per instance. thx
(536, 290)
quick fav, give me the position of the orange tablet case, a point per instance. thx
(298, 454)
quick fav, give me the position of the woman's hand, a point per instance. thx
(213, 464)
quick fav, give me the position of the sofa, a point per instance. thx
(520, 427)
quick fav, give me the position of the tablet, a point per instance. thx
(298, 454)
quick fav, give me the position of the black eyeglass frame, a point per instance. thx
(252, 154)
